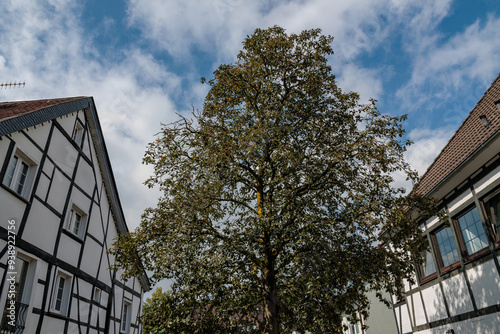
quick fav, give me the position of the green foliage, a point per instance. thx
(274, 197)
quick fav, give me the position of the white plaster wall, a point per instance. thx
(457, 295)
(434, 303)
(405, 319)
(85, 289)
(80, 200)
(91, 257)
(104, 274)
(488, 324)
(27, 147)
(41, 227)
(104, 298)
(95, 224)
(73, 328)
(37, 290)
(4, 145)
(58, 191)
(40, 134)
(32, 323)
(85, 177)
(69, 250)
(67, 122)
(485, 284)
(130, 283)
(487, 182)
(112, 233)
(86, 148)
(102, 315)
(419, 309)
(409, 305)
(62, 152)
(48, 167)
(431, 223)
(43, 186)
(11, 207)
(51, 326)
(461, 201)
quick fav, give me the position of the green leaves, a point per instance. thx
(274, 196)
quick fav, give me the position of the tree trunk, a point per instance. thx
(271, 307)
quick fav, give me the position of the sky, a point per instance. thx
(142, 61)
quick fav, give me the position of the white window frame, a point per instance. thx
(20, 172)
(61, 293)
(126, 315)
(76, 217)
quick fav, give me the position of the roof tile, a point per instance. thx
(469, 137)
(14, 109)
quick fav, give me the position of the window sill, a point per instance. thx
(428, 278)
(73, 236)
(22, 198)
(450, 267)
(477, 255)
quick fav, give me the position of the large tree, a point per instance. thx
(275, 196)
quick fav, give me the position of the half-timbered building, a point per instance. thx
(457, 288)
(59, 213)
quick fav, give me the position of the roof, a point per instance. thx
(15, 116)
(14, 109)
(469, 137)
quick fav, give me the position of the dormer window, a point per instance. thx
(78, 134)
(485, 121)
(498, 105)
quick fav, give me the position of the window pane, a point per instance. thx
(446, 245)
(124, 317)
(428, 266)
(12, 169)
(60, 294)
(22, 272)
(493, 211)
(21, 178)
(473, 232)
(76, 223)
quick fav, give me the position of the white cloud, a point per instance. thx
(443, 69)
(427, 144)
(364, 81)
(44, 45)
(219, 26)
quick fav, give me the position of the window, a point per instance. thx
(76, 221)
(61, 291)
(472, 232)
(19, 174)
(448, 254)
(492, 209)
(78, 134)
(23, 283)
(126, 313)
(97, 295)
(428, 268)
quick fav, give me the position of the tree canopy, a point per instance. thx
(275, 195)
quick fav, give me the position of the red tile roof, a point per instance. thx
(14, 109)
(469, 137)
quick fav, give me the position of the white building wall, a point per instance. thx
(60, 186)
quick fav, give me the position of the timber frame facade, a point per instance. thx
(59, 214)
(457, 287)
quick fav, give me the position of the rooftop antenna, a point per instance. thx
(12, 84)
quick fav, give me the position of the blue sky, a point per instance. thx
(142, 61)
